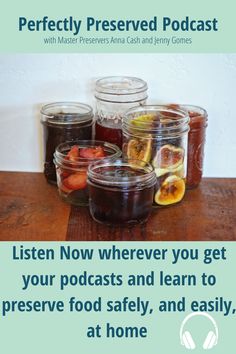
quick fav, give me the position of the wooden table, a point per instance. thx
(31, 210)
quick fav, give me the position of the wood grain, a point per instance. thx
(31, 210)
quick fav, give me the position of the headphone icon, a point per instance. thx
(211, 338)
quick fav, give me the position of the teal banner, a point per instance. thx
(170, 26)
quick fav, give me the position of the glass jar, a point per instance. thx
(114, 96)
(158, 135)
(63, 121)
(121, 192)
(196, 143)
(72, 159)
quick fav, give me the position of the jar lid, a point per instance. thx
(156, 121)
(66, 113)
(122, 173)
(121, 89)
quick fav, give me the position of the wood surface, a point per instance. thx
(31, 210)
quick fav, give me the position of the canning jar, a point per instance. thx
(196, 142)
(158, 135)
(63, 121)
(72, 159)
(120, 192)
(114, 96)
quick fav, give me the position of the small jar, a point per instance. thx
(158, 135)
(114, 96)
(196, 143)
(71, 168)
(120, 192)
(63, 121)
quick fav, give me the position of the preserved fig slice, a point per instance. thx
(173, 106)
(142, 120)
(139, 149)
(179, 171)
(171, 191)
(168, 157)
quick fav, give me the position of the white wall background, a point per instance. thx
(29, 80)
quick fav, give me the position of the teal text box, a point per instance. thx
(139, 41)
(66, 331)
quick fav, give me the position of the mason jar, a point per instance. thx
(158, 135)
(196, 144)
(121, 192)
(63, 121)
(114, 96)
(72, 160)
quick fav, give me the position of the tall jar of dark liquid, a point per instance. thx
(63, 121)
(114, 96)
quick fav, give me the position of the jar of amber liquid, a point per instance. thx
(196, 143)
(114, 96)
(158, 135)
(121, 192)
(63, 121)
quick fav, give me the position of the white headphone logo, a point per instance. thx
(186, 338)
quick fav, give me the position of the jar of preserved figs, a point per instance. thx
(114, 96)
(63, 121)
(121, 192)
(72, 159)
(196, 143)
(158, 135)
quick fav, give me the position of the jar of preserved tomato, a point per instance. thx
(72, 160)
(196, 142)
(121, 192)
(63, 121)
(158, 135)
(114, 96)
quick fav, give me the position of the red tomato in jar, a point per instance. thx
(92, 153)
(76, 181)
(73, 154)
